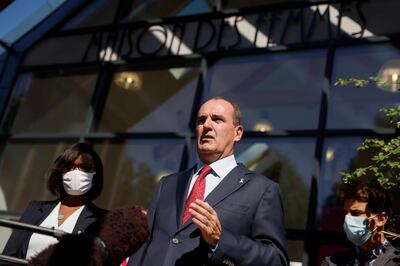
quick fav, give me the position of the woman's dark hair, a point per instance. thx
(63, 164)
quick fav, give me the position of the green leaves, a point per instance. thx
(356, 82)
(392, 114)
(359, 83)
(384, 163)
(384, 155)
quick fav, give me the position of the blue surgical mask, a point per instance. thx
(356, 229)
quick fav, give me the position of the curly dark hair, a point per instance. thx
(63, 164)
(374, 194)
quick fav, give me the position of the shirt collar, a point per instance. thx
(375, 252)
(221, 167)
(381, 248)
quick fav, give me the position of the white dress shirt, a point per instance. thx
(39, 242)
(221, 169)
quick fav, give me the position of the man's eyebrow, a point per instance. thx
(199, 118)
(217, 116)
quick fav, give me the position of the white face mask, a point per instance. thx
(77, 182)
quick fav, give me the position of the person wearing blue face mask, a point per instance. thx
(76, 178)
(367, 208)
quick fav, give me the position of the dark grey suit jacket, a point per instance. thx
(35, 214)
(250, 210)
(390, 257)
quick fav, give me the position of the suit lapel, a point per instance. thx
(232, 182)
(87, 217)
(386, 256)
(183, 181)
(43, 211)
(37, 217)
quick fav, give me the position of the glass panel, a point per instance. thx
(275, 92)
(133, 168)
(100, 12)
(340, 154)
(351, 107)
(3, 97)
(51, 103)
(20, 17)
(23, 167)
(144, 10)
(150, 101)
(295, 250)
(288, 162)
(246, 3)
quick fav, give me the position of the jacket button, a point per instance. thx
(175, 241)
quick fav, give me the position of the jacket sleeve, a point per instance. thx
(15, 245)
(136, 258)
(267, 243)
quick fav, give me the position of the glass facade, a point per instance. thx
(275, 92)
(149, 101)
(51, 103)
(351, 107)
(289, 162)
(139, 112)
(134, 167)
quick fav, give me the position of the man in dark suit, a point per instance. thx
(218, 213)
(367, 210)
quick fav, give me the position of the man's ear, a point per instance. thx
(382, 218)
(238, 133)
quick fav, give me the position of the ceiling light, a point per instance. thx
(129, 80)
(262, 126)
(389, 76)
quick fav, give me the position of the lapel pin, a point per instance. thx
(241, 181)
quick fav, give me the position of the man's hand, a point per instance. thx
(206, 219)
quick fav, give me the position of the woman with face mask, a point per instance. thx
(76, 178)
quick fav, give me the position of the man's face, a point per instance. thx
(355, 208)
(216, 132)
(359, 209)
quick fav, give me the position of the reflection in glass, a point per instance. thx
(246, 3)
(262, 126)
(288, 162)
(340, 155)
(133, 169)
(129, 80)
(101, 12)
(23, 167)
(144, 10)
(295, 251)
(51, 103)
(389, 74)
(163, 102)
(283, 90)
(351, 107)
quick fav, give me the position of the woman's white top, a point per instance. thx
(39, 242)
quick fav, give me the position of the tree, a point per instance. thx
(384, 163)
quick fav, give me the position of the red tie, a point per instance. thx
(197, 192)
